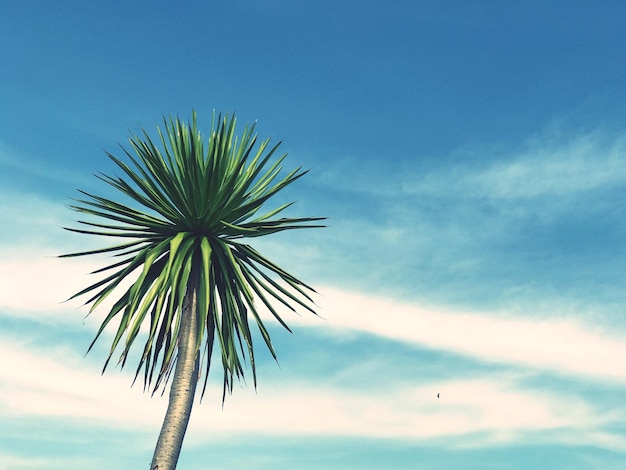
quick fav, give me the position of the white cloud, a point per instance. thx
(495, 406)
(582, 164)
(549, 165)
(477, 411)
(554, 163)
(54, 386)
(15, 462)
(33, 286)
(557, 344)
(32, 219)
(27, 164)
(18, 462)
(36, 284)
(54, 383)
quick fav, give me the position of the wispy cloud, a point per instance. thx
(465, 407)
(56, 383)
(555, 162)
(551, 164)
(13, 461)
(13, 160)
(559, 341)
(495, 408)
(564, 345)
(36, 284)
(489, 410)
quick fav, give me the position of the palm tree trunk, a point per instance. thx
(183, 386)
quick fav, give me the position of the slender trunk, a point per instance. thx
(183, 386)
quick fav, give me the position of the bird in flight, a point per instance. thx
(437, 395)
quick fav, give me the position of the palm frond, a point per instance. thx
(186, 200)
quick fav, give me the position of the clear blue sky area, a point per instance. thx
(471, 158)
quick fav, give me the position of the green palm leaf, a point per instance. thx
(189, 202)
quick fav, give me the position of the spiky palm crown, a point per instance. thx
(196, 200)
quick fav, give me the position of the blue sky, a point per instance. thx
(471, 158)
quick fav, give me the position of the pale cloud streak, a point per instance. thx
(36, 284)
(17, 462)
(493, 410)
(26, 164)
(547, 165)
(59, 385)
(557, 344)
(554, 342)
(56, 383)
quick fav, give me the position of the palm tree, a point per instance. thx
(180, 243)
